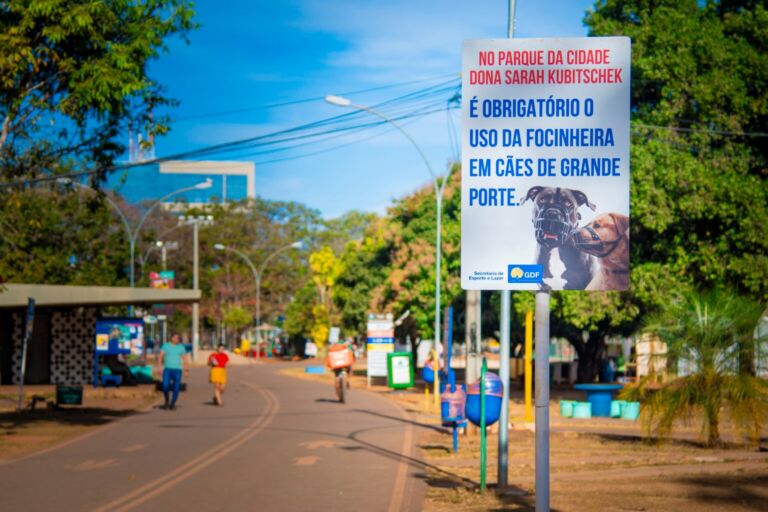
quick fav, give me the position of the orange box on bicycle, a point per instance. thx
(339, 356)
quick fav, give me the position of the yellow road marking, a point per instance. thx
(91, 464)
(140, 495)
(306, 461)
(324, 443)
(134, 448)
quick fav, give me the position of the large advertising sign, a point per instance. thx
(380, 342)
(545, 164)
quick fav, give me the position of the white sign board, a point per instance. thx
(401, 370)
(545, 164)
(380, 342)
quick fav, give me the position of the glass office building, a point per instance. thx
(231, 181)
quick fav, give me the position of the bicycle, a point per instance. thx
(342, 384)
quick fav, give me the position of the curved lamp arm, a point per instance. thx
(200, 186)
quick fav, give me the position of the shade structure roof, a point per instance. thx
(48, 295)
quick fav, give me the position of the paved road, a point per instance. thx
(279, 443)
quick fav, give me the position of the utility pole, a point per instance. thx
(195, 287)
(473, 336)
(195, 222)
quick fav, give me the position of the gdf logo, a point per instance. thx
(525, 273)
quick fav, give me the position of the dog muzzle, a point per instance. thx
(595, 245)
(552, 226)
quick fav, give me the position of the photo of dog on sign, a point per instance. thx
(594, 256)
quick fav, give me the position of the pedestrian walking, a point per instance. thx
(218, 376)
(173, 359)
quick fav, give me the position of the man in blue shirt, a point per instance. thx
(173, 359)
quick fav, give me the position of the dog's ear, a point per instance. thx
(622, 223)
(581, 198)
(532, 193)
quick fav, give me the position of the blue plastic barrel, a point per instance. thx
(493, 399)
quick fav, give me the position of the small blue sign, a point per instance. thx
(380, 340)
(525, 273)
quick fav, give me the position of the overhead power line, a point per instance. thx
(415, 104)
(307, 100)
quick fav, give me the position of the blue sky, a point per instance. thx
(250, 54)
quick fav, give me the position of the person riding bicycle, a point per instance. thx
(340, 358)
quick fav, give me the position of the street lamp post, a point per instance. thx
(257, 277)
(439, 188)
(200, 186)
(133, 235)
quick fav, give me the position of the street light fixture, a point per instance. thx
(257, 277)
(208, 183)
(340, 101)
(134, 234)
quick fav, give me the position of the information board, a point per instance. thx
(380, 342)
(119, 336)
(545, 164)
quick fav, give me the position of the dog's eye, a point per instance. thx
(596, 225)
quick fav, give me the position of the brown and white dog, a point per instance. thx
(607, 239)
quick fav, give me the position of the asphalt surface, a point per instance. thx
(278, 443)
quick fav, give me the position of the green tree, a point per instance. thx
(365, 264)
(56, 236)
(710, 334)
(326, 268)
(698, 193)
(410, 283)
(73, 76)
(237, 318)
(257, 228)
(586, 320)
(700, 103)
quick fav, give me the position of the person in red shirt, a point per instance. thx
(218, 376)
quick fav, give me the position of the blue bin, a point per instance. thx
(493, 399)
(566, 408)
(428, 374)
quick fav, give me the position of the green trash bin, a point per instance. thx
(566, 408)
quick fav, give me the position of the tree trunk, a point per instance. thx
(590, 352)
(714, 427)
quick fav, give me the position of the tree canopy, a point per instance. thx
(73, 76)
(700, 103)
